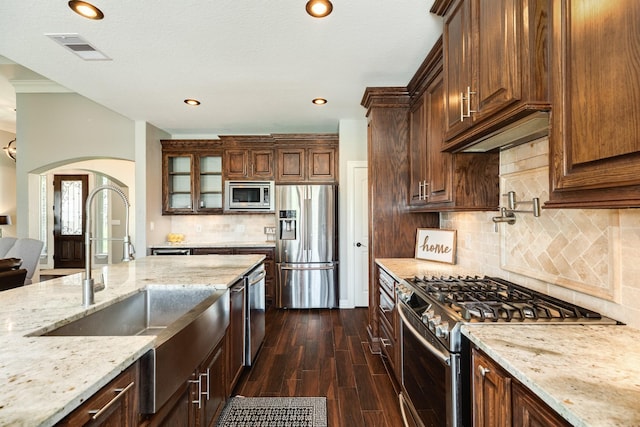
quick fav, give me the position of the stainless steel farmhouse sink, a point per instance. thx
(148, 312)
(186, 321)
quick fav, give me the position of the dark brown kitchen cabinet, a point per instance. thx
(211, 387)
(308, 158)
(442, 181)
(491, 393)
(235, 334)
(495, 65)
(247, 163)
(116, 404)
(499, 400)
(199, 401)
(594, 142)
(389, 322)
(392, 225)
(191, 177)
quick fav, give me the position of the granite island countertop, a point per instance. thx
(45, 378)
(589, 374)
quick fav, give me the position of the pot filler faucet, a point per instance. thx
(88, 289)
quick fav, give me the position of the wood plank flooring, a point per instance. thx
(324, 353)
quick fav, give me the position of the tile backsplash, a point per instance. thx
(222, 228)
(590, 257)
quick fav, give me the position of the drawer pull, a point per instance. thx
(119, 393)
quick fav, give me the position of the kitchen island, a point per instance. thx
(45, 377)
(588, 374)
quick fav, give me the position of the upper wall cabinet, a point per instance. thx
(248, 157)
(595, 132)
(495, 65)
(307, 158)
(191, 178)
(441, 181)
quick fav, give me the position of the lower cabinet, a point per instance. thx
(500, 400)
(116, 404)
(389, 323)
(201, 398)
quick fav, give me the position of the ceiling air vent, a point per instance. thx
(76, 44)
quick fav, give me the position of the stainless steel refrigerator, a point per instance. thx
(307, 246)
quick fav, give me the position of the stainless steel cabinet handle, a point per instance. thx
(385, 342)
(199, 382)
(206, 393)
(120, 392)
(468, 100)
(483, 371)
(386, 309)
(237, 289)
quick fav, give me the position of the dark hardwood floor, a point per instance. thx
(324, 353)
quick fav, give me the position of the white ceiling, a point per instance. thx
(254, 65)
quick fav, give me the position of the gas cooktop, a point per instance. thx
(482, 299)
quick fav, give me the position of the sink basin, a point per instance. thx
(188, 322)
(148, 312)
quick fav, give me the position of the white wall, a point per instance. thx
(353, 147)
(54, 129)
(7, 185)
(151, 225)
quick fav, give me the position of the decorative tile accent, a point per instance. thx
(573, 248)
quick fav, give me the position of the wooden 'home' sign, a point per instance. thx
(435, 244)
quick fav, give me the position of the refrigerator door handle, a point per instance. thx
(329, 267)
(307, 220)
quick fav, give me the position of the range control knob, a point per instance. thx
(442, 330)
(434, 321)
(426, 316)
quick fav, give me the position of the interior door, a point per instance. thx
(69, 194)
(359, 229)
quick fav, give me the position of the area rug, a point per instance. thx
(274, 412)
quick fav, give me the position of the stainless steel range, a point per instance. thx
(435, 357)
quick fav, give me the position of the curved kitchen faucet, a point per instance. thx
(88, 289)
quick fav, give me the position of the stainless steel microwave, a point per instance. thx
(249, 196)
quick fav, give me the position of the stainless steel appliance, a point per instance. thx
(306, 246)
(248, 196)
(255, 311)
(435, 357)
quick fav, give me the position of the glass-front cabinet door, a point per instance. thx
(209, 183)
(192, 183)
(178, 177)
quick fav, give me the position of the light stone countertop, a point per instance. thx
(588, 374)
(45, 378)
(256, 244)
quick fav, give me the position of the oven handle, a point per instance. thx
(402, 410)
(443, 357)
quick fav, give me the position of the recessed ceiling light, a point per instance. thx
(193, 102)
(319, 8)
(85, 9)
(319, 101)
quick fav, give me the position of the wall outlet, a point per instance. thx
(198, 228)
(269, 230)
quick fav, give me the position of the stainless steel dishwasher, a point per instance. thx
(255, 312)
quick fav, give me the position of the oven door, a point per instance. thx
(430, 384)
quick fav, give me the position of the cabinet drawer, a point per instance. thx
(387, 308)
(386, 282)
